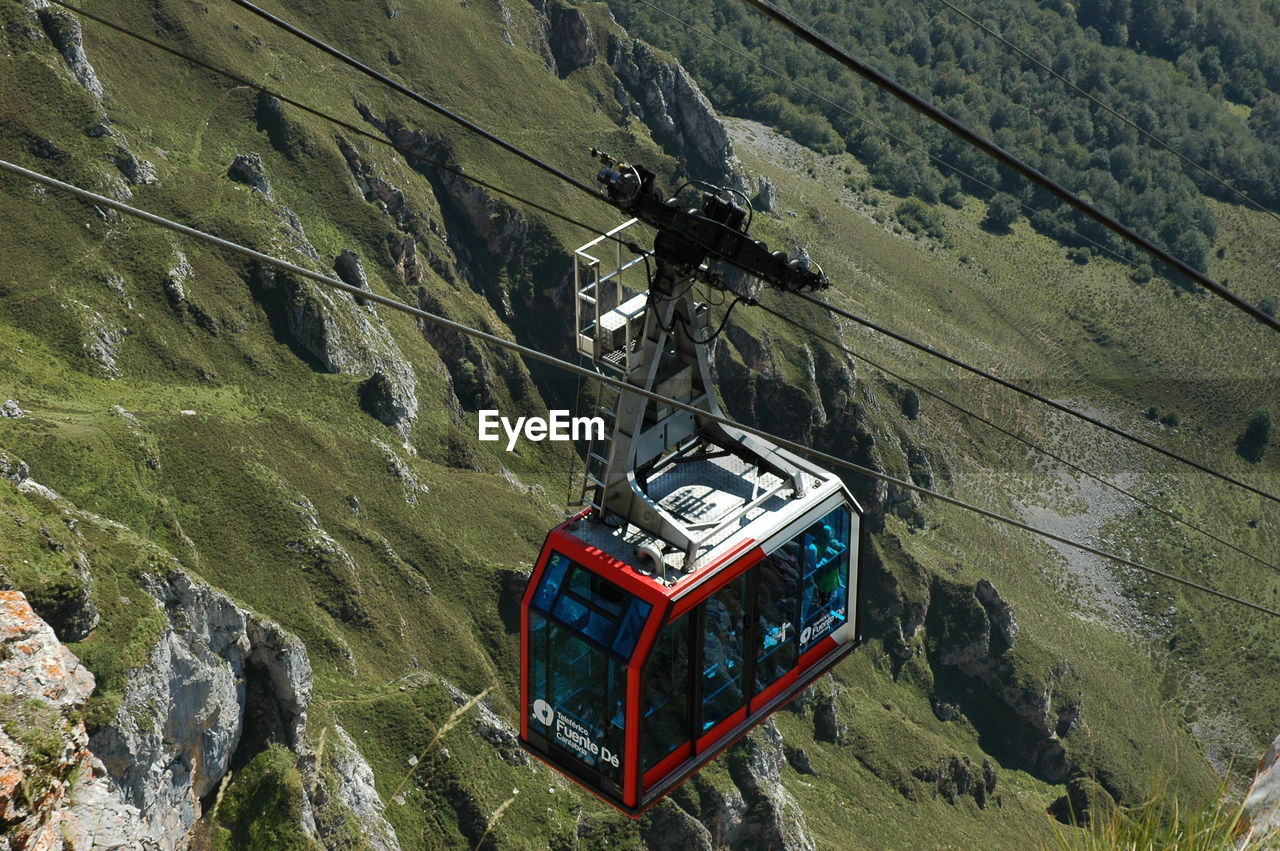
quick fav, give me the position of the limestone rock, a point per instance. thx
(676, 111)
(970, 630)
(493, 729)
(766, 197)
(998, 611)
(399, 468)
(53, 792)
(215, 669)
(65, 32)
(570, 38)
(248, 169)
(827, 726)
(1262, 803)
(773, 818)
(956, 776)
(345, 800)
(669, 826)
(375, 189)
(135, 169)
(16, 471)
(11, 410)
(174, 291)
(337, 336)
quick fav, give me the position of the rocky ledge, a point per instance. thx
(54, 793)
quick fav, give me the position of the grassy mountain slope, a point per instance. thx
(412, 604)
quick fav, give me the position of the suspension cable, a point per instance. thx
(1102, 105)
(1014, 435)
(1031, 394)
(630, 245)
(916, 102)
(907, 143)
(346, 125)
(493, 339)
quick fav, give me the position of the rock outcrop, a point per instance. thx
(17, 472)
(753, 810)
(65, 32)
(957, 776)
(248, 169)
(1262, 803)
(773, 818)
(569, 35)
(677, 113)
(336, 335)
(217, 677)
(54, 793)
(972, 629)
(344, 799)
(766, 197)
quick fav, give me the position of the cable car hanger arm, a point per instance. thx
(688, 236)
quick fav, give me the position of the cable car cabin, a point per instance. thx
(638, 668)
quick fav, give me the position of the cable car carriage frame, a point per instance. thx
(711, 577)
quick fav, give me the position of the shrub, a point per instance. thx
(918, 217)
(1002, 212)
(1257, 432)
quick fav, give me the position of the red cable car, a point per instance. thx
(713, 577)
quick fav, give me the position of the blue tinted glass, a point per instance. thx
(551, 579)
(665, 724)
(824, 589)
(632, 624)
(577, 696)
(600, 592)
(592, 624)
(722, 660)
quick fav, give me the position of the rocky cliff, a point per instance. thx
(217, 685)
(54, 791)
(1262, 802)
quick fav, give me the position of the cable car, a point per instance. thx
(634, 680)
(711, 578)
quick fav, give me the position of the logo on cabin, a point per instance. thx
(543, 712)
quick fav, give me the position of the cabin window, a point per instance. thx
(665, 723)
(824, 585)
(776, 604)
(582, 629)
(722, 667)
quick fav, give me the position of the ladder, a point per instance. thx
(598, 451)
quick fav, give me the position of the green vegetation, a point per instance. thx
(1174, 70)
(427, 605)
(1163, 822)
(1257, 433)
(262, 806)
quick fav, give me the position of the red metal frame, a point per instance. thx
(669, 604)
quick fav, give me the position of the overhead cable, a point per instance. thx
(1102, 105)
(346, 125)
(1014, 435)
(907, 143)
(458, 172)
(1031, 394)
(534, 354)
(415, 96)
(1002, 156)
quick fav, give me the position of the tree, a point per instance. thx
(1257, 432)
(1002, 212)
